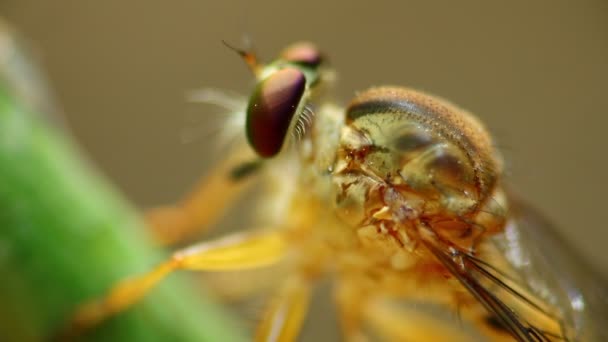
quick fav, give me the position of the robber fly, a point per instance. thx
(397, 198)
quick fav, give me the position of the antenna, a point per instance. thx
(248, 56)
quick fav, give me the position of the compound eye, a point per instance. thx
(271, 109)
(304, 53)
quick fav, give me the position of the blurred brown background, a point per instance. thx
(535, 72)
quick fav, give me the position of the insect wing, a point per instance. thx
(553, 272)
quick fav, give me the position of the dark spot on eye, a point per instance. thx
(411, 142)
(271, 109)
(495, 323)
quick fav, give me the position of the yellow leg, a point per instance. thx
(350, 299)
(285, 315)
(205, 205)
(394, 323)
(240, 251)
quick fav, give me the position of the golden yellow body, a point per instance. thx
(398, 200)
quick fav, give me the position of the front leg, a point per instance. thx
(210, 199)
(234, 252)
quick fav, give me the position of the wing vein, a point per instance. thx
(477, 265)
(512, 323)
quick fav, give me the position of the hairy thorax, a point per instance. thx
(403, 161)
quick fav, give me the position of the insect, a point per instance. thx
(397, 199)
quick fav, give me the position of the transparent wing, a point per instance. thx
(531, 283)
(553, 272)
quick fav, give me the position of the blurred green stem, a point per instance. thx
(66, 236)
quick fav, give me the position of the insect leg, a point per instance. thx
(394, 323)
(285, 315)
(234, 252)
(206, 204)
(350, 301)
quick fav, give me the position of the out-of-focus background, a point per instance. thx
(535, 72)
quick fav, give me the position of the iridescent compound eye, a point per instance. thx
(303, 53)
(272, 108)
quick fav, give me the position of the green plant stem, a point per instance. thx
(66, 236)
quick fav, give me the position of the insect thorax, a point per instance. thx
(406, 158)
